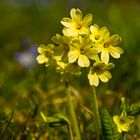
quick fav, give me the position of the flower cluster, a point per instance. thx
(82, 45)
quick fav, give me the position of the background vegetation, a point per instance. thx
(27, 88)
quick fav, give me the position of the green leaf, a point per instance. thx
(55, 121)
(133, 109)
(108, 126)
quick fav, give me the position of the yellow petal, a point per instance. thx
(83, 61)
(104, 33)
(115, 51)
(92, 51)
(84, 31)
(129, 120)
(115, 39)
(76, 15)
(87, 20)
(109, 66)
(94, 29)
(105, 76)
(42, 59)
(57, 39)
(67, 22)
(124, 127)
(73, 55)
(119, 129)
(105, 56)
(94, 57)
(41, 48)
(116, 119)
(93, 79)
(70, 32)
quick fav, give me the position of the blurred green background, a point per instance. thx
(25, 85)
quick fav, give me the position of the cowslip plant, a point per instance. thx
(82, 46)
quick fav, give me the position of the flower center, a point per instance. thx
(79, 26)
(66, 47)
(48, 54)
(96, 37)
(96, 69)
(82, 51)
(122, 121)
(106, 45)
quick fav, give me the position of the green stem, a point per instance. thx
(96, 115)
(124, 136)
(72, 112)
(70, 132)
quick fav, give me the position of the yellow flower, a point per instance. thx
(123, 122)
(63, 46)
(45, 54)
(97, 35)
(83, 51)
(105, 43)
(75, 25)
(99, 71)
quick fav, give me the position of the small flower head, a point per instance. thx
(76, 25)
(109, 47)
(105, 43)
(82, 50)
(45, 54)
(123, 122)
(97, 34)
(62, 47)
(99, 71)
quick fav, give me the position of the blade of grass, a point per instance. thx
(7, 125)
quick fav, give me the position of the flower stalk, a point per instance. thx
(96, 114)
(124, 136)
(72, 112)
